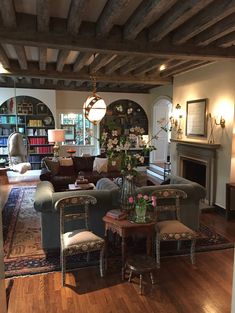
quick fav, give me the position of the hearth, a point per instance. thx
(196, 161)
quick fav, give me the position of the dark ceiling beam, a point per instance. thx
(146, 12)
(118, 62)
(43, 15)
(76, 11)
(68, 74)
(220, 29)
(42, 58)
(61, 59)
(21, 55)
(137, 62)
(218, 9)
(183, 68)
(169, 64)
(226, 41)
(81, 60)
(8, 13)
(148, 67)
(111, 45)
(176, 16)
(100, 61)
(110, 13)
(4, 58)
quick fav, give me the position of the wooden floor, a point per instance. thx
(180, 288)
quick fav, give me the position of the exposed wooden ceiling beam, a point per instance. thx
(76, 11)
(183, 68)
(68, 74)
(21, 55)
(144, 14)
(111, 45)
(43, 15)
(4, 58)
(175, 17)
(226, 41)
(100, 61)
(81, 60)
(42, 58)
(118, 62)
(62, 57)
(8, 13)
(111, 11)
(220, 29)
(218, 9)
(148, 66)
(137, 62)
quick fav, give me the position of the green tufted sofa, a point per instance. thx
(107, 194)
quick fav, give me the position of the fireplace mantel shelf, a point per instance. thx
(200, 144)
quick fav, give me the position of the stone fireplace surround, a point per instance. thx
(200, 153)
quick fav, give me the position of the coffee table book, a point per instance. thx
(116, 214)
(82, 186)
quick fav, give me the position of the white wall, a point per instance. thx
(216, 83)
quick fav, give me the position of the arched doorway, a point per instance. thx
(161, 110)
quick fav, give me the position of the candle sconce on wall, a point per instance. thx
(176, 120)
(221, 122)
(213, 123)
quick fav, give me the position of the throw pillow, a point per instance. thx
(52, 166)
(83, 163)
(100, 165)
(66, 162)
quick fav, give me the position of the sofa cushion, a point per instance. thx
(100, 165)
(52, 166)
(66, 162)
(83, 163)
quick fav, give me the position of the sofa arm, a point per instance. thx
(45, 174)
(43, 197)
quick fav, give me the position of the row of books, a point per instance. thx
(3, 141)
(41, 150)
(10, 120)
(36, 123)
(6, 131)
(38, 141)
(34, 158)
(116, 214)
(3, 150)
(36, 132)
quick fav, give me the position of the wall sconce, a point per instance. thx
(221, 122)
(176, 121)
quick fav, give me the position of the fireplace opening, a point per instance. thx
(194, 171)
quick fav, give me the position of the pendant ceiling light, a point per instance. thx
(94, 107)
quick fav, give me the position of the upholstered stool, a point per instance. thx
(141, 264)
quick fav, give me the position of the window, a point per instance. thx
(83, 128)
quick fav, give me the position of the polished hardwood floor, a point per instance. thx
(180, 287)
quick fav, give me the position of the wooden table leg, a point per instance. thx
(123, 256)
(149, 244)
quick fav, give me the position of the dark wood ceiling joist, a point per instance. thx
(76, 10)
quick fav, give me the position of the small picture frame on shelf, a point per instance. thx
(42, 108)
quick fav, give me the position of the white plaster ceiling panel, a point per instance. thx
(25, 6)
(52, 55)
(10, 51)
(32, 53)
(72, 57)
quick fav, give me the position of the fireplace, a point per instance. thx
(196, 161)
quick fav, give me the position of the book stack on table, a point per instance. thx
(116, 214)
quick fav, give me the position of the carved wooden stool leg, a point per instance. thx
(192, 254)
(130, 276)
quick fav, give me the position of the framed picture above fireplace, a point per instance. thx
(196, 122)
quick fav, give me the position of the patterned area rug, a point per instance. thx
(22, 240)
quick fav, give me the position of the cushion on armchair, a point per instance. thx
(83, 163)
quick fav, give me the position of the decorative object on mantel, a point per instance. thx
(196, 119)
(212, 124)
(176, 120)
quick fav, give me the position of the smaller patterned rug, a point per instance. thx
(25, 256)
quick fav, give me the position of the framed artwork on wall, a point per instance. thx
(196, 113)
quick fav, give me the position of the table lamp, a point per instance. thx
(56, 136)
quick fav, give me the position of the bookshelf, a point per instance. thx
(34, 119)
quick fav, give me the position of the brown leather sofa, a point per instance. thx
(61, 176)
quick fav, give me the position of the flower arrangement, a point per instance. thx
(143, 200)
(118, 148)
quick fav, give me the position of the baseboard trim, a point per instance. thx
(216, 209)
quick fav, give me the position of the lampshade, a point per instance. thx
(94, 108)
(56, 135)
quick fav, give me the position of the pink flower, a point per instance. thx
(131, 200)
(139, 195)
(146, 197)
(154, 201)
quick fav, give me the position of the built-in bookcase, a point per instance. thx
(33, 119)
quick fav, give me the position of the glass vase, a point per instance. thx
(140, 213)
(127, 191)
